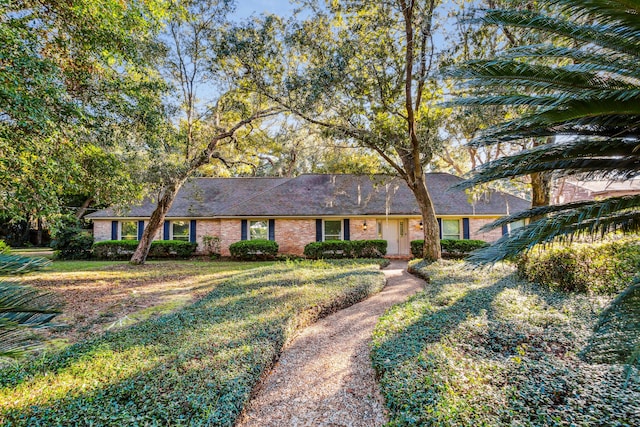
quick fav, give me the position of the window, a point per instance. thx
(180, 230)
(259, 230)
(333, 230)
(129, 230)
(451, 229)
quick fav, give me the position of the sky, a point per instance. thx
(246, 8)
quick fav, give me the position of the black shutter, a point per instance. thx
(167, 230)
(114, 230)
(318, 230)
(505, 229)
(140, 229)
(272, 229)
(440, 226)
(465, 228)
(192, 231)
(346, 232)
(243, 229)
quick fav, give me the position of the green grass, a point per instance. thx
(482, 348)
(188, 266)
(195, 366)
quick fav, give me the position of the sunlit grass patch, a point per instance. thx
(481, 347)
(194, 366)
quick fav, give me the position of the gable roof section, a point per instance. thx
(316, 195)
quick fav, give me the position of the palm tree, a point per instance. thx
(583, 88)
(20, 306)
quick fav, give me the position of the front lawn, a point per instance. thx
(482, 348)
(194, 366)
(106, 295)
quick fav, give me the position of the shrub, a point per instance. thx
(123, 249)
(71, 242)
(254, 249)
(336, 249)
(595, 268)
(454, 248)
(4, 248)
(172, 249)
(368, 248)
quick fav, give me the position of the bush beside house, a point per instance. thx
(123, 249)
(336, 249)
(452, 248)
(249, 250)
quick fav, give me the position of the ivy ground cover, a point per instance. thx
(194, 366)
(483, 348)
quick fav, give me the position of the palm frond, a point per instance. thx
(584, 83)
(615, 13)
(555, 229)
(17, 264)
(582, 210)
(616, 336)
(21, 308)
(572, 157)
(606, 36)
(580, 59)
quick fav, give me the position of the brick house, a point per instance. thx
(568, 190)
(309, 208)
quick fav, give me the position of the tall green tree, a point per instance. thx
(72, 74)
(365, 73)
(208, 117)
(580, 96)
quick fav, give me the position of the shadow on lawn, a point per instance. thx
(532, 357)
(201, 361)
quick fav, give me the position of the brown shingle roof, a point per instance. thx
(320, 195)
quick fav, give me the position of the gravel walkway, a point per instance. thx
(324, 377)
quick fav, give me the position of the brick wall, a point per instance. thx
(415, 232)
(229, 233)
(476, 223)
(101, 230)
(292, 235)
(207, 227)
(357, 231)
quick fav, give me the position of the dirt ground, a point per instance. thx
(110, 296)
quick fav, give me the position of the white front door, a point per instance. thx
(395, 232)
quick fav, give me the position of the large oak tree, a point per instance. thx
(362, 71)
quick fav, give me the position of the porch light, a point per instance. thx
(421, 226)
(364, 226)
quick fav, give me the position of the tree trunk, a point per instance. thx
(83, 209)
(431, 250)
(39, 233)
(156, 221)
(541, 186)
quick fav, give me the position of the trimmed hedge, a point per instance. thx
(602, 268)
(248, 250)
(123, 249)
(336, 249)
(453, 248)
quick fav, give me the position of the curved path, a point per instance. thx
(324, 376)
